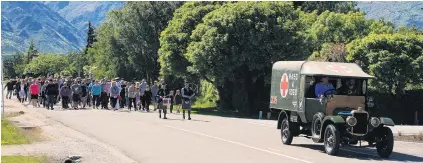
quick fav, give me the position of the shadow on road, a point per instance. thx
(363, 154)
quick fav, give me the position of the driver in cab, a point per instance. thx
(323, 87)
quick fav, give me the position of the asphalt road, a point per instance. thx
(210, 139)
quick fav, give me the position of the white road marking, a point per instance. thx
(359, 152)
(274, 149)
(244, 145)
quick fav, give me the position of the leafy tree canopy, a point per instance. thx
(396, 60)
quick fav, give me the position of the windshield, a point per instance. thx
(344, 86)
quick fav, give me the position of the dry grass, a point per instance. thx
(13, 114)
(412, 138)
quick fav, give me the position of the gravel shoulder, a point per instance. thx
(59, 141)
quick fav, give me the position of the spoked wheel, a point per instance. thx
(286, 133)
(385, 144)
(331, 140)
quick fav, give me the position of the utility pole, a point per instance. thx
(2, 86)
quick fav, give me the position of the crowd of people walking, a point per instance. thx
(79, 93)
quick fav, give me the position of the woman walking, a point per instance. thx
(114, 94)
(132, 93)
(22, 87)
(96, 91)
(34, 91)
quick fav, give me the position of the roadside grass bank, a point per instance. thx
(409, 138)
(14, 135)
(24, 159)
(10, 134)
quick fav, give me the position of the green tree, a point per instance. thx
(332, 31)
(175, 38)
(12, 64)
(236, 45)
(47, 63)
(128, 41)
(395, 60)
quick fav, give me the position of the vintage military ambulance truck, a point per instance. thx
(339, 117)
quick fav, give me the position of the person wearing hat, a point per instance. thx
(161, 94)
(187, 95)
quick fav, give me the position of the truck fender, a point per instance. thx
(337, 120)
(282, 115)
(386, 121)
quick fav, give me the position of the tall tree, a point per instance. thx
(31, 52)
(237, 43)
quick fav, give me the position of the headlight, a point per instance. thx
(375, 122)
(351, 121)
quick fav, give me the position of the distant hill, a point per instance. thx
(23, 21)
(401, 13)
(79, 13)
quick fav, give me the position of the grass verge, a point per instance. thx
(24, 159)
(10, 134)
(411, 138)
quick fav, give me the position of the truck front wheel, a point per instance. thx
(385, 143)
(332, 139)
(286, 134)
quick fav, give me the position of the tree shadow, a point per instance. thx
(230, 114)
(364, 153)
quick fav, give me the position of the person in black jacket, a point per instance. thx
(52, 92)
(147, 99)
(9, 86)
(162, 93)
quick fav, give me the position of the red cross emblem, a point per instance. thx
(274, 100)
(339, 69)
(284, 85)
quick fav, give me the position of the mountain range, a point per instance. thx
(61, 26)
(54, 26)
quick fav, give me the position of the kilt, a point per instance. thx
(160, 106)
(186, 105)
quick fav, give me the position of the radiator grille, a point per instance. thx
(362, 123)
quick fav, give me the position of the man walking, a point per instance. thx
(51, 92)
(187, 95)
(65, 93)
(9, 86)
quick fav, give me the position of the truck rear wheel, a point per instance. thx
(286, 132)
